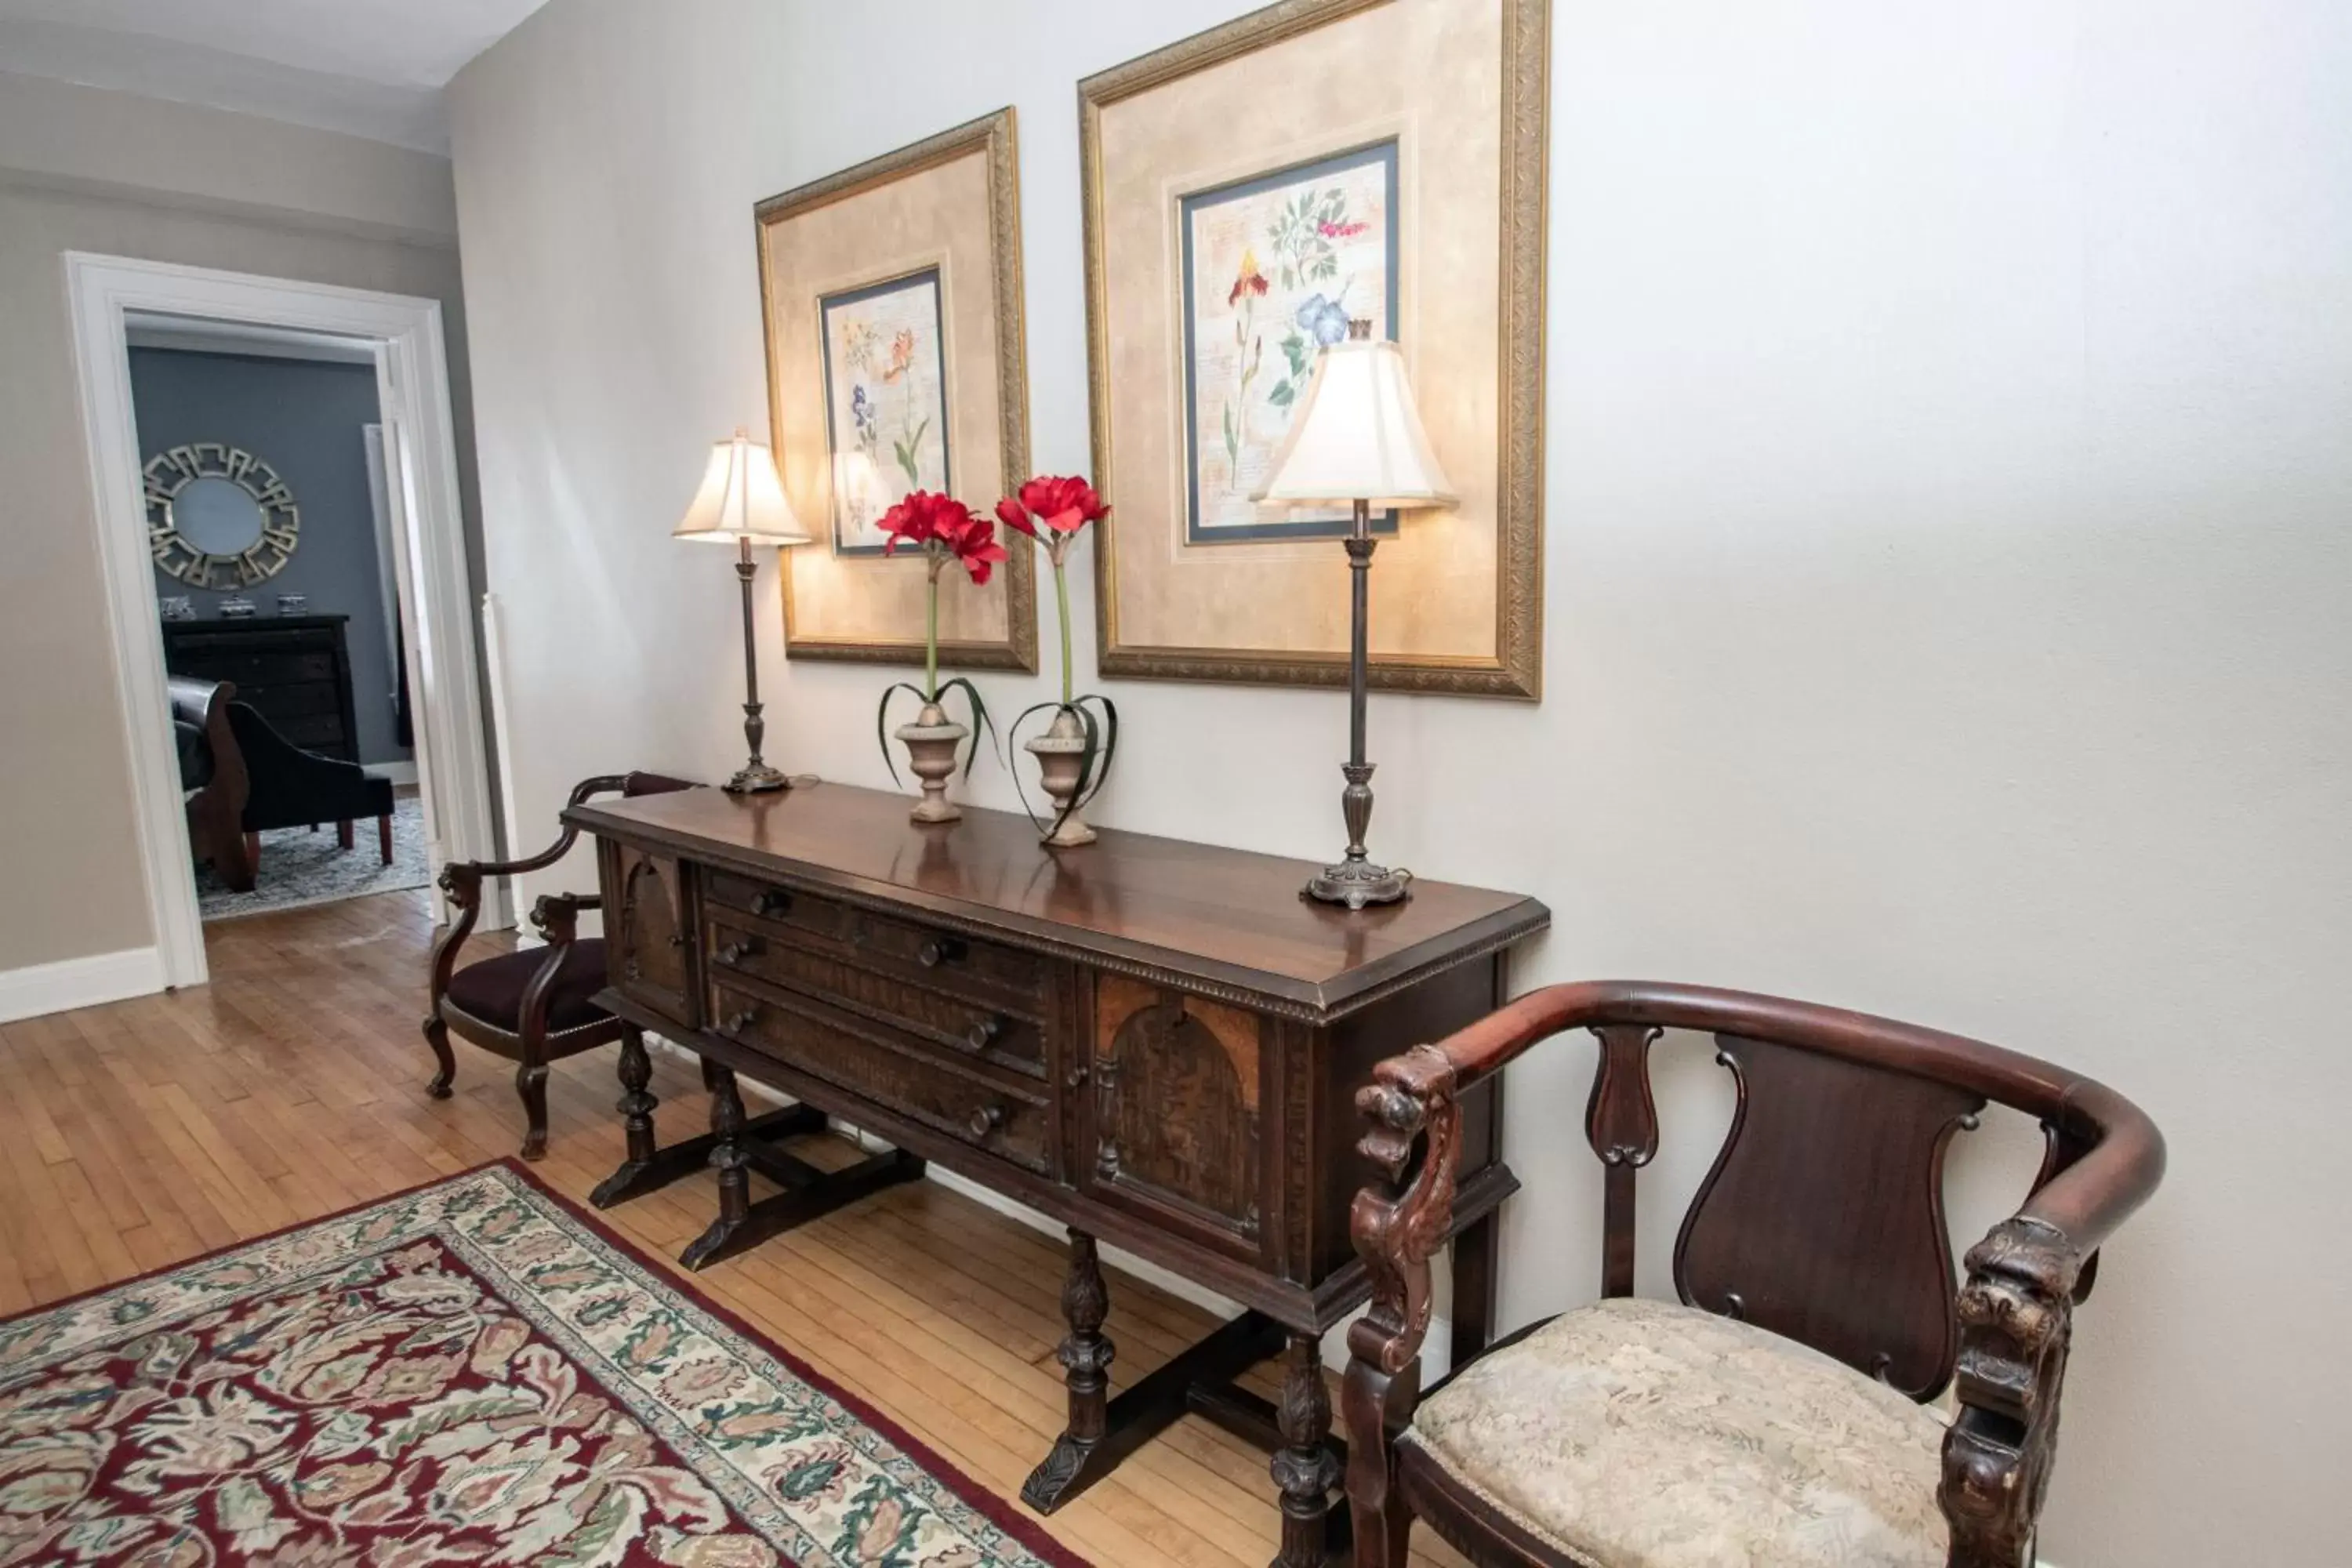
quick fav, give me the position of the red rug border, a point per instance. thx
(998, 1511)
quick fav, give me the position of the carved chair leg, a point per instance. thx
(1371, 1400)
(1302, 1467)
(1086, 1356)
(343, 834)
(383, 837)
(530, 1082)
(637, 1103)
(436, 1035)
(253, 850)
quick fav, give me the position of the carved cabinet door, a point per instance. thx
(1171, 1128)
(647, 937)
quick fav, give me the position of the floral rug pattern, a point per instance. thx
(469, 1373)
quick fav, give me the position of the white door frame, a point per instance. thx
(412, 388)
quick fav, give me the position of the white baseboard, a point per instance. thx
(1435, 1358)
(397, 773)
(80, 983)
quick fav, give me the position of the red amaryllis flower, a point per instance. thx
(1063, 503)
(975, 544)
(943, 526)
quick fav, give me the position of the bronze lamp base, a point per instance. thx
(756, 778)
(1356, 883)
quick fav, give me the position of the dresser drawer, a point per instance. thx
(897, 1073)
(955, 1025)
(934, 958)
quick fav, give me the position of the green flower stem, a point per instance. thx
(1062, 603)
(932, 635)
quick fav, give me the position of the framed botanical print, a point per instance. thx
(884, 347)
(1306, 248)
(1248, 192)
(891, 294)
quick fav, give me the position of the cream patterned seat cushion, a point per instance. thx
(1635, 1434)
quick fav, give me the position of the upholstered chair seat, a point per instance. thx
(1638, 1434)
(492, 989)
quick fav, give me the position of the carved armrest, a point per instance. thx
(1413, 1105)
(2017, 1321)
(557, 918)
(2016, 1326)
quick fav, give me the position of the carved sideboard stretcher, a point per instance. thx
(1156, 1043)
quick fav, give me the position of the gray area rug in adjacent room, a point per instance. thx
(299, 867)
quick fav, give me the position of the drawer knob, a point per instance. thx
(987, 1119)
(736, 1022)
(986, 1032)
(940, 950)
(735, 953)
(772, 901)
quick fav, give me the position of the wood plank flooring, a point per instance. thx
(136, 1134)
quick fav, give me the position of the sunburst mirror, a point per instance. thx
(218, 517)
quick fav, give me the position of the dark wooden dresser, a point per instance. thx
(294, 670)
(1157, 1043)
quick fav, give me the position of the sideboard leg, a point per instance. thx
(1086, 1356)
(729, 1159)
(637, 1106)
(637, 1103)
(1302, 1467)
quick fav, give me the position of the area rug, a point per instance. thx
(472, 1371)
(300, 868)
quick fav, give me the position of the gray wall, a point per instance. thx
(303, 417)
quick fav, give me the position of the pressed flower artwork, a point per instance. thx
(1275, 267)
(886, 402)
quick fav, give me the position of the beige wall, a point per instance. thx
(82, 169)
(1948, 488)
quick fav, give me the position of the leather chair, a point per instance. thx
(532, 1006)
(294, 788)
(213, 782)
(1777, 1414)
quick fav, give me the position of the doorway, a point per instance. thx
(414, 643)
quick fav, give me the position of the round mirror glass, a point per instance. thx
(216, 516)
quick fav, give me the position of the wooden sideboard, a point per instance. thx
(1154, 1042)
(294, 671)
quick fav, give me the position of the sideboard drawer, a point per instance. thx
(975, 1030)
(896, 1073)
(937, 959)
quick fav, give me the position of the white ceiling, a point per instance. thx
(370, 68)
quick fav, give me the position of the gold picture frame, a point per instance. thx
(1264, 609)
(941, 217)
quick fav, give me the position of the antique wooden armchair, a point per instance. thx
(532, 1006)
(1644, 1435)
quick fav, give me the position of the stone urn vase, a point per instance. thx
(1060, 753)
(932, 741)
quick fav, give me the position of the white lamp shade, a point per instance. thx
(741, 498)
(1357, 436)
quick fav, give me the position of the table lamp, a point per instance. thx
(740, 502)
(1356, 441)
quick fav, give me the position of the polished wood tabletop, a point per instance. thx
(1228, 915)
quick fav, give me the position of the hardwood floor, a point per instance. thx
(136, 1134)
